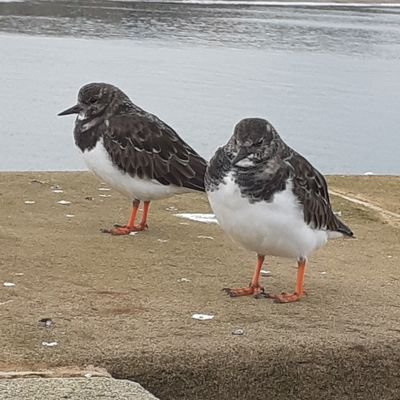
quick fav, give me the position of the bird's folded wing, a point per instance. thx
(218, 167)
(310, 186)
(145, 147)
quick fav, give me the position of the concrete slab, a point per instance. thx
(72, 389)
(125, 304)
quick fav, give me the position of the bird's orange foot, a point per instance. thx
(139, 227)
(256, 291)
(120, 230)
(285, 297)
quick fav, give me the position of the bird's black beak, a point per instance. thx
(242, 153)
(76, 109)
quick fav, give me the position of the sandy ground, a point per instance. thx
(119, 302)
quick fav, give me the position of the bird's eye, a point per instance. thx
(93, 100)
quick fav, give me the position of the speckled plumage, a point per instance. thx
(133, 151)
(138, 143)
(265, 167)
(271, 200)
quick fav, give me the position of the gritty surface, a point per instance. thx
(126, 303)
(72, 389)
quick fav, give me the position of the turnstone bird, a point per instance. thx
(132, 150)
(271, 200)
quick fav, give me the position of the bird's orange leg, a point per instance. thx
(254, 288)
(298, 291)
(143, 220)
(130, 227)
(132, 217)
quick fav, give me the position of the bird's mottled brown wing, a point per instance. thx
(310, 186)
(145, 147)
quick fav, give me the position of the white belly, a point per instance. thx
(269, 228)
(99, 162)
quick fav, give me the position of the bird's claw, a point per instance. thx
(257, 291)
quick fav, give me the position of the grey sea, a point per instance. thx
(328, 78)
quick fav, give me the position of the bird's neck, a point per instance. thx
(87, 132)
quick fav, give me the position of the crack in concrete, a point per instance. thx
(389, 216)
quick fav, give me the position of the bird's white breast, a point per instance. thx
(269, 228)
(99, 162)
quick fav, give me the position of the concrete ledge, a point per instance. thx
(60, 372)
(72, 389)
(120, 303)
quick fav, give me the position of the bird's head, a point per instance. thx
(94, 99)
(252, 141)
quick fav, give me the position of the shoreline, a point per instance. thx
(288, 3)
(272, 3)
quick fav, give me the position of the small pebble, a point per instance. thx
(29, 202)
(103, 189)
(183, 280)
(202, 317)
(323, 273)
(19, 274)
(70, 215)
(64, 202)
(55, 187)
(49, 344)
(104, 195)
(264, 272)
(58, 191)
(45, 322)
(8, 284)
(172, 208)
(88, 375)
(238, 332)
(162, 240)
(133, 233)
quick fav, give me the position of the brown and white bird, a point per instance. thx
(133, 151)
(271, 200)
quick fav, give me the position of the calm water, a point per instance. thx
(327, 78)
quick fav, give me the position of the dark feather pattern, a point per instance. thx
(310, 187)
(138, 143)
(272, 167)
(148, 148)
